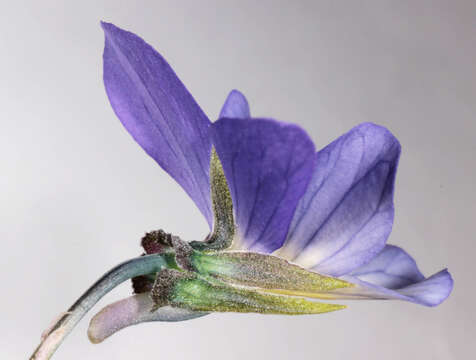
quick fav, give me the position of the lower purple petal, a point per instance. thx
(393, 274)
(429, 292)
(392, 268)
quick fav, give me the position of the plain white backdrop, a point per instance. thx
(77, 194)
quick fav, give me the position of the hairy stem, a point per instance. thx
(53, 337)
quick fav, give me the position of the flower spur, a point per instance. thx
(287, 223)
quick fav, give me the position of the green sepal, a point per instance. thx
(223, 222)
(266, 272)
(191, 291)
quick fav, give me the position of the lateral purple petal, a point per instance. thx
(159, 112)
(393, 274)
(268, 165)
(344, 218)
(236, 106)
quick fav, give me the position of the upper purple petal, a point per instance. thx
(393, 274)
(268, 165)
(236, 106)
(344, 218)
(159, 112)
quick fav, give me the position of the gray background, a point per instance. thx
(76, 193)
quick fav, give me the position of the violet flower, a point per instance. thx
(286, 222)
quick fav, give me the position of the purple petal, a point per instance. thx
(236, 106)
(344, 218)
(268, 165)
(131, 311)
(393, 268)
(159, 112)
(393, 274)
(431, 291)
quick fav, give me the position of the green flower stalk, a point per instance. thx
(55, 334)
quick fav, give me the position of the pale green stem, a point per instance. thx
(62, 327)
